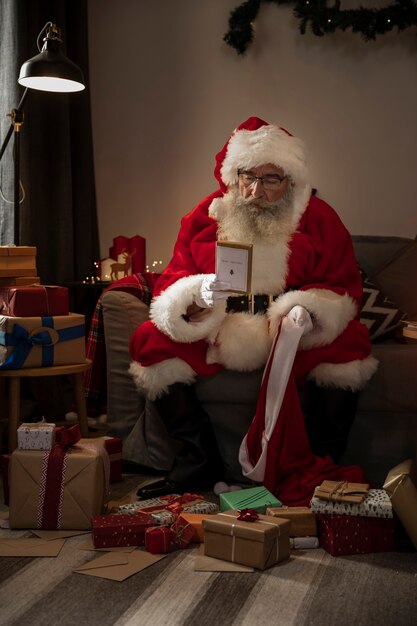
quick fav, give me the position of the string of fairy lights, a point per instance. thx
(323, 19)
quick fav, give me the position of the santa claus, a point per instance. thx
(303, 268)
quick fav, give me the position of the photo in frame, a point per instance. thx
(234, 265)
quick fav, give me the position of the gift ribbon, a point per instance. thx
(46, 336)
(232, 533)
(248, 515)
(53, 476)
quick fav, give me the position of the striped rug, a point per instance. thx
(312, 588)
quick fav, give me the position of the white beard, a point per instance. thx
(255, 220)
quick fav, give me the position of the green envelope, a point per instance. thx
(257, 498)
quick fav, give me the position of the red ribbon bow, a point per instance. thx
(67, 437)
(248, 515)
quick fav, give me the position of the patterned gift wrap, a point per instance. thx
(260, 543)
(183, 532)
(341, 535)
(112, 531)
(41, 341)
(200, 506)
(163, 518)
(158, 539)
(257, 498)
(376, 504)
(36, 436)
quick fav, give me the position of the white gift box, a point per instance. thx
(376, 504)
(36, 436)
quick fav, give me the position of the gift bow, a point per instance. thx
(67, 437)
(248, 515)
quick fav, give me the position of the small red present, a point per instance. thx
(34, 300)
(112, 531)
(183, 532)
(341, 535)
(158, 539)
(113, 446)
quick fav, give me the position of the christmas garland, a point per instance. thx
(401, 14)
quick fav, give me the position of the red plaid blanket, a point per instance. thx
(139, 285)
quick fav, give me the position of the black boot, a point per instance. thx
(329, 415)
(198, 464)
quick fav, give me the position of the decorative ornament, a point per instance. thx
(369, 23)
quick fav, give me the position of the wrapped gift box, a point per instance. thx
(257, 498)
(41, 341)
(39, 493)
(14, 281)
(182, 532)
(303, 521)
(112, 531)
(341, 535)
(34, 300)
(113, 446)
(304, 543)
(196, 521)
(376, 504)
(342, 491)
(200, 506)
(36, 436)
(401, 487)
(17, 261)
(260, 543)
(158, 539)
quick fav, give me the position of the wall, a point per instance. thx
(167, 91)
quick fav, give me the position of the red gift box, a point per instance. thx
(341, 535)
(112, 531)
(113, 446)
(158, 539)
(34, 300)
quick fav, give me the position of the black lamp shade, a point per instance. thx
(51, 70)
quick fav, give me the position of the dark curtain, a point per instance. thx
(58, 215)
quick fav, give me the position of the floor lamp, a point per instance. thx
(50, 70)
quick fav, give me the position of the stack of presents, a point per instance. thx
(36, 327)
(57, 481)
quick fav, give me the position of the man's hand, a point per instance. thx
(211, 291)
(301, 317)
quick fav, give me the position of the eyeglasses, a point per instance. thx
(269, 182)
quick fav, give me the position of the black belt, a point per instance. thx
(252, 303)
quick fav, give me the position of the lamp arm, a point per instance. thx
(15, 114)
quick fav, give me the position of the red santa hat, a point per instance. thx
(255, 143)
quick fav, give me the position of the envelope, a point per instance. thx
(205, 563)
(30, 547)
(50, 535)
(119, 565)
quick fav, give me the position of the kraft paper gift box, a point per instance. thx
(342, 535)
(34, 300)
(17, 261)
(13, 281)
(303, 520)
(42, 496)
(112, 531)
(41, 341)
(257, 498)
(342, 491)
(113, 446)
(376, 504)
(401, 487)
(261, 543)
(36, 436)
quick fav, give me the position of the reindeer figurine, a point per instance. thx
(122, 267)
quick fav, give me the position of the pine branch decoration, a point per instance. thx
(369, 23)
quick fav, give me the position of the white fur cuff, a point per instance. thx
(153, 381)
(353, 375)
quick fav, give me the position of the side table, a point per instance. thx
(75, 371)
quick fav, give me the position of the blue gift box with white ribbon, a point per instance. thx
(41, 341)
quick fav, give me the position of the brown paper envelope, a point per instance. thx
(119, 566)
(205, 563)
(89, 545)
(50, 535)
(30, 547)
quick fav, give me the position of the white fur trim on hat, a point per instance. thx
(168, 308)
(353, 375)
(330, 312)
(153, 381)
(267, 144)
